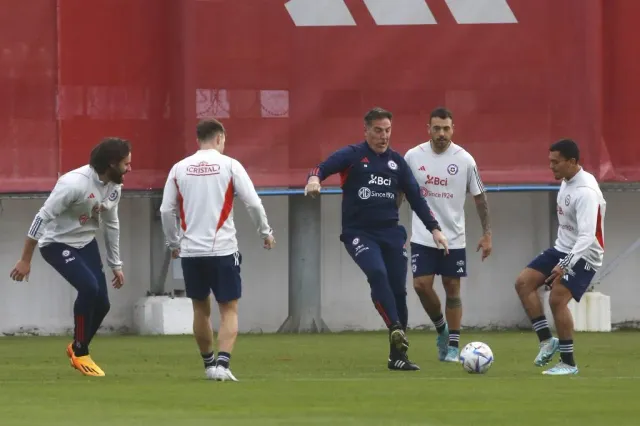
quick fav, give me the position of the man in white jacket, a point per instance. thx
(197, 219)
(571, 264)
(65, 230)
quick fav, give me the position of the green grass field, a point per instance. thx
(336, 379)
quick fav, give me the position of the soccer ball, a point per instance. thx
(476, 357)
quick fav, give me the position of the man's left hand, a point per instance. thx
(485, 245)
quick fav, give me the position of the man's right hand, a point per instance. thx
(313, 187)
(21, 271)
(269, 242)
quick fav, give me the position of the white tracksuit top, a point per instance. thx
(199, 192)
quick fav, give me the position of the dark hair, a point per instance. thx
(377, 113)
(208, 129)
(441, 112)
(567, 148)
(108, 152)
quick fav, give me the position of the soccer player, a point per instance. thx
(65, 230)
(200, 189)
(571, 264)
(446, 172)
(372, 176)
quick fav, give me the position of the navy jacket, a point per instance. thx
(371, 184)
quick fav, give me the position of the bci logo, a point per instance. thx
(435, 180)
(379, 180)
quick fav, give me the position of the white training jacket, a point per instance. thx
(581, 209)
(197, 204)
(72, 213)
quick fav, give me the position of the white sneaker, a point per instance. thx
(561, 369)
(548, 348)
(222, 374)
(210, 372)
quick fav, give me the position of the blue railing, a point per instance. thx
(333, 190)
(281, 191)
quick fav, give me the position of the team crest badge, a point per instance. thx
(392, 165)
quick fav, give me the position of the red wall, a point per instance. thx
(72, 72)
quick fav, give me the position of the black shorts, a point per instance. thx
(219, 275)
(433, 261)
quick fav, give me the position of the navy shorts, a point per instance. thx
(577, 280)
(433, 261)
(219, 275)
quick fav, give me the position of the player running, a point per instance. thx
(571, 264)
(199, 192)
(65, 230)
(446, 173)
(372, 176)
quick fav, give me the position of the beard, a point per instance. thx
(115, 175)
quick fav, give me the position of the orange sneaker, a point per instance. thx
(84, 364)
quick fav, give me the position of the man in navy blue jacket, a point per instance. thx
(373, 177)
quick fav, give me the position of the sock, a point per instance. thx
(80, 344)
(98, 316)
(439, 323)
(223, 359)
(83, 310)
(541, 327)
(566, 352)
(209, 359)
(454, 338)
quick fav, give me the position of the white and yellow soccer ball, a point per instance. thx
(476, 358)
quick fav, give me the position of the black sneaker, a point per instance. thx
(401, 362)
